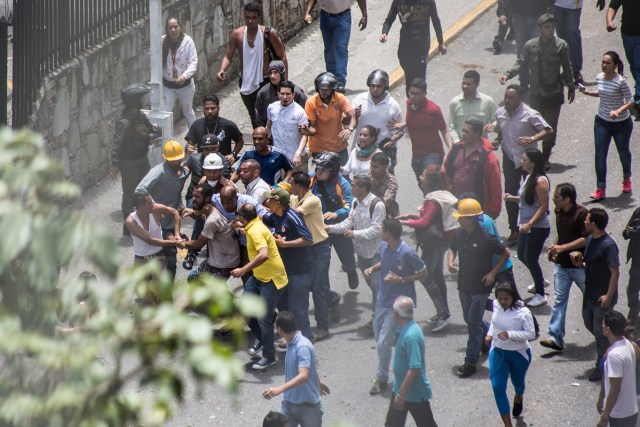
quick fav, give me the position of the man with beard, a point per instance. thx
(213, 178)
(268, 94)
(250, 177)
(217, 234)
(324, 111)
(212, 124)
(164, 183)
(130, 145)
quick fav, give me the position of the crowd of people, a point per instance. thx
(306, 190)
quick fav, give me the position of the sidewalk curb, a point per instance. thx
(450, 34)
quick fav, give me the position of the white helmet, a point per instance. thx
(213, 162)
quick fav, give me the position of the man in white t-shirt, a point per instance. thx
(284, 120)
(618, 403)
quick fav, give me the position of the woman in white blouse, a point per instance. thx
(180, 64)
(509, 334)
(360, 158)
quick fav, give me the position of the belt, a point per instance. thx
(161, 253)
(306, 404)
(335, 15)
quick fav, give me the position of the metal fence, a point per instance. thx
(48, 33)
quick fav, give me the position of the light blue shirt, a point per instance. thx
(489, 226)
(301, 354)
(403, 261)
(410, 354)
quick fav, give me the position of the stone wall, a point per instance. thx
(79, 103)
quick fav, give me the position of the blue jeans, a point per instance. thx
(295, 298)
(568, 28)
(526, 28)
(529, 250)
(336, 31)
(501, 364)
(418, 164)
(263, 328)
(472, 312)
(305, 415)
(562, 280)
(621, 133)
(632, 52)
(322, 294)
(384, 329)
(374, 280)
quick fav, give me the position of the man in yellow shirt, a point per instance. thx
(267, 279)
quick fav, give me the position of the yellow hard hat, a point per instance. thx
(172, 150)
(468, 207)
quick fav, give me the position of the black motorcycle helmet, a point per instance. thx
(329, 160)
(378, 77)
(326, 80)
(131, 94)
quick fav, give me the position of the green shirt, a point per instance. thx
(410, 355)
(460, 109)
(546, 58)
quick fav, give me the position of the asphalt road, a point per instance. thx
(558, 393)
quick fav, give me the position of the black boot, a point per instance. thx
(546, 153)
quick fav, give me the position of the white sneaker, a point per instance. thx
(532, 287)
(537, 300)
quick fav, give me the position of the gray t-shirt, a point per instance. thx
(224, 249)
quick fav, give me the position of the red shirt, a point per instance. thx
(424, 126)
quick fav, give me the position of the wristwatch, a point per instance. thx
(350, 129)
(235, 155)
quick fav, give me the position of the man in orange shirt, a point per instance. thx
(325, 112)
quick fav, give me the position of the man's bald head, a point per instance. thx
(229, 198)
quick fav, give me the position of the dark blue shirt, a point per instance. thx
(403, 261)
(599, 256)
(291, 226)
(271, 165)
(475, 253)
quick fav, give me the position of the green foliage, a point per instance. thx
(103, 361)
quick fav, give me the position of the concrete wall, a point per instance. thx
(79, 103)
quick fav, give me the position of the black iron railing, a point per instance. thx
(48, 33)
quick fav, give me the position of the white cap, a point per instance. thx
(213, 161)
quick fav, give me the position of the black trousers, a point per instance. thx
(420, 411)
(414, 66)
(512, 178)
(132, 172)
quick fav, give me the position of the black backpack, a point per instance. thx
(267, 43)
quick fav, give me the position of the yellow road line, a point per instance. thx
(450, 34)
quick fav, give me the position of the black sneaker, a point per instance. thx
(595, 375)
(466, 370)
(517, 408)
(550, 343)
(497, 45)
(189, 260)
(341, 89)
(263, 364)
(255, 348)
(352, 276)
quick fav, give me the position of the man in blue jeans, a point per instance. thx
(335, 25)
(567, 14)
(267, 279)
(294, 241)
(302, 390)
(399, 267)
(476, 275)
(572, 236)
(630, 36)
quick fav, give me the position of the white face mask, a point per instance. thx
(212, 183)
